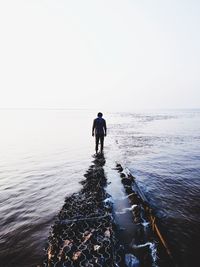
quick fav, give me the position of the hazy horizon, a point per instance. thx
(100, 55)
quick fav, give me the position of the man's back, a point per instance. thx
(99, 126)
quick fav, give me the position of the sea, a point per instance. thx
(44, 154)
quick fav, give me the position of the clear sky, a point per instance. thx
(101, 54)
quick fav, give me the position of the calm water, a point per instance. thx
(162, 151)
(44, 155)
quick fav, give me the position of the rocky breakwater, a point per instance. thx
(85, 233)
(148, 243)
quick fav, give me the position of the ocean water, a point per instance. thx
(161, 149)
(44, 154)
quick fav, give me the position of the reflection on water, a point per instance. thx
(45, 153)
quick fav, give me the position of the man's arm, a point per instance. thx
(105, 128)
(93, 127)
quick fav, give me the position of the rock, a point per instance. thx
(96, 247)
(136, 210)
(107, 233)
(131, 177)
(119, 167)
(134, 198)
(61, 254)
(126, 181)
(76, 255)
(122, 175)
(86, 236)
(128, 189)
(137, 220)
(131, 261)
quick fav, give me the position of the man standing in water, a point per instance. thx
(99, 130)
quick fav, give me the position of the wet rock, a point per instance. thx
(131, 177)
(96, 247)
(131, 261)
(137, 220)
(122, 175)
(65, 247)
(87, 235)
(128, 189)
(50, 252)
(134, 198)
(107, 233)
(126, 181)
(136, 210)
(119, 168)
(76, 255)
(146, 252)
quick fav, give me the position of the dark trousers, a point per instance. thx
(99, 137)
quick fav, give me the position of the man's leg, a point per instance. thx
(97, 142)
(102, 141)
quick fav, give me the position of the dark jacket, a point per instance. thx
(99, 125)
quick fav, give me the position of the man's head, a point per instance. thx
(99, 115)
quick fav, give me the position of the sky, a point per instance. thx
(100, 54)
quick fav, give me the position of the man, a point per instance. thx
(99, 130)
